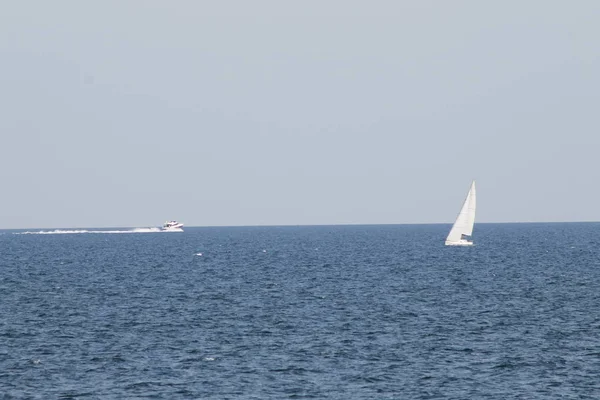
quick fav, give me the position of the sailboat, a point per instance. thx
(463, 226)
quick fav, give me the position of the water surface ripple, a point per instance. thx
(336, 312)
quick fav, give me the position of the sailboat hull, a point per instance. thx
(459, 243)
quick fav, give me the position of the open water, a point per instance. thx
(328, 312)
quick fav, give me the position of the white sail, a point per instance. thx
(465, 220)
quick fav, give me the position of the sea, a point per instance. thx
(301, 312)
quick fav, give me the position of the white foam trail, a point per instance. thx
(73, 231)
(146, 230)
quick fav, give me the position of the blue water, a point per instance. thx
(331, 312)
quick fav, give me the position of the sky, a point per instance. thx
(126, 113)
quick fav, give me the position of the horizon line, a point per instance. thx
(307, 225)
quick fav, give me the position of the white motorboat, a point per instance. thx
(172, 226)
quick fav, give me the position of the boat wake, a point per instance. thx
(73, 231)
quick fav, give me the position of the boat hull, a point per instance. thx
(171, 230)
(461, 242)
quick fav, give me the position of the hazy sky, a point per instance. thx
(127, 113)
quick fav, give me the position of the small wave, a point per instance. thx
(74, 231)
(146, 230)
(54, 232)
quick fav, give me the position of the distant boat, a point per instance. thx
(172, 226)
(463, 226)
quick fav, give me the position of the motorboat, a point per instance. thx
(172, 226)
